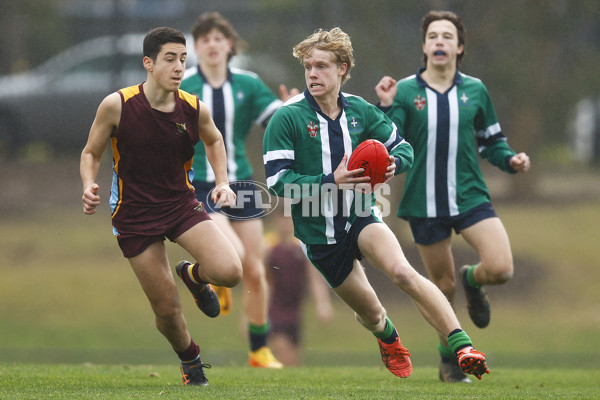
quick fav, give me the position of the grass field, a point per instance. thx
(160, 382)
(74, 323)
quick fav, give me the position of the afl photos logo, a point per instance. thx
(253, 196)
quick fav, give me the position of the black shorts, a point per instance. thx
(335, 261)
(133, 242)
(247, 206)
(432, 230)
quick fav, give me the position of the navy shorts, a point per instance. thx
(248, 210)
(432, 230)
(170, 226)
(335, 261)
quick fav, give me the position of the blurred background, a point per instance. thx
(67, 295)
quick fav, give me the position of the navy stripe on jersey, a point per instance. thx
(442, 145)
(483, 142)
(441, 153)
(394, 141)
(218, 111)
(336, 146)
(272, 167)
(277, 163)
(335, 137)
(221, 105)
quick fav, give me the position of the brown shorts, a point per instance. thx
(169, 225)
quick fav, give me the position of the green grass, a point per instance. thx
(22, 381)
(75, 324)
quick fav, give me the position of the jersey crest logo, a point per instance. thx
(465, 99)
(354, 126)
(312, 129)
(420, 102)
(199, 207)
(181, 129)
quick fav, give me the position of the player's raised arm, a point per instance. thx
(285, 93)
(386, 90)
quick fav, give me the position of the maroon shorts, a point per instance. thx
(170, 225)
(291, 329)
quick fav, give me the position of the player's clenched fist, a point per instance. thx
(90, 199)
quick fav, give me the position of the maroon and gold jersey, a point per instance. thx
(152, 157)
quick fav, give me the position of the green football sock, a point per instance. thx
(258, 335)
(388, 331)
(471, 279)
(458, 339)
(446, 352)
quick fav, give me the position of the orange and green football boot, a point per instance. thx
(396, 358)
(472, 362)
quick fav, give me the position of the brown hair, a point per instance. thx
(432, 16)
(208, 21)
(157, 37)
(335, 41)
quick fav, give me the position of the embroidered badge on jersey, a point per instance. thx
(312, 129)
(465, 100)
(420, 102)
(355, 126)
(181, 129)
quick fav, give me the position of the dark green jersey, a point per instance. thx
(302, 148)
(242, 100)
(447, 130)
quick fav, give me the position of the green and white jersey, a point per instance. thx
(302, 148)
(447, 130)
(242, 100)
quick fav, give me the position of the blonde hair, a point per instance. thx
(335, 41)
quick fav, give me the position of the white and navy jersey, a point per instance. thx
(242, 100)
(302, 148)
(447, 130)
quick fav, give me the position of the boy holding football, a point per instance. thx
(439, 110)
(306, 147)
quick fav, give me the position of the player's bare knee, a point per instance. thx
(374, 321)
(447, 285)
(235, 276)
(167, 312)
(227, 274)
(402, 276)
(254, 272)
(503, 276)
(500, 272)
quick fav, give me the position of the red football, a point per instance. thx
(373, 157)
